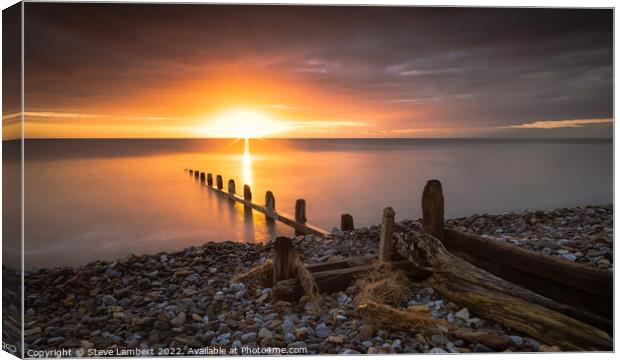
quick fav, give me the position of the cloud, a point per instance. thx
(282, 107)
(69, 115)
(556, 124)
(517, 64)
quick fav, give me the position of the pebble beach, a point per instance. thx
(185, 302)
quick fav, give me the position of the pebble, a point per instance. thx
(179, 319)
(322, 330)
(265, 333)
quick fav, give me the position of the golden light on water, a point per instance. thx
(246, 163)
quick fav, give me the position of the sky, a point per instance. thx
(139, 70)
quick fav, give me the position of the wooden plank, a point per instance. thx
(336, 279)
(583, 306)
(557, 271)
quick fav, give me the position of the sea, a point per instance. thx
(103, 199)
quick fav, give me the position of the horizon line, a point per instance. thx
(312, 138)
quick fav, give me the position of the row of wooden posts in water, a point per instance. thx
(299, 222)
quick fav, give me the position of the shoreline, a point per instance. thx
(185, 299)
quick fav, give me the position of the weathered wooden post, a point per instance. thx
(210, 179)
(346, 222)
(191, 172)
(433, 210)
(270, 201)
(283, 259)
(196, 174)
(202, 177)
(300, 211)
(219, 182)
(231, 187)
(300, 214)
(387, 234)
(247, 193)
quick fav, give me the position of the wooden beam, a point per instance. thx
(433, 209)
(571, 283)
(496, 299)
(338, 276)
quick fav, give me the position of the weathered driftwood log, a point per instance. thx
(432, 209)
(581, 287)
(497, 299)
(346, 222)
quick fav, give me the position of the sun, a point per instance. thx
(242, 123)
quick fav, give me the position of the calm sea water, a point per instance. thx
(102, 199)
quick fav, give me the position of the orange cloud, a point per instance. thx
(556, 124)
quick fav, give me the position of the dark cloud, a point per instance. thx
(470, 67)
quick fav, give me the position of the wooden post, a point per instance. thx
(196, 174)
(191, 172)
(386, 239)
(283, 259)
(247, 193)
(219, 182)
(202, 177)
(270, 201)
(231, 187)
(346, 222)
(210, 179)
(300, 211)
(300, 214)
(432, 210)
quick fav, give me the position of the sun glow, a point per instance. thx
(242, 123)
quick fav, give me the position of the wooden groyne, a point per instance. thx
(556, 301)
(299, 221)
